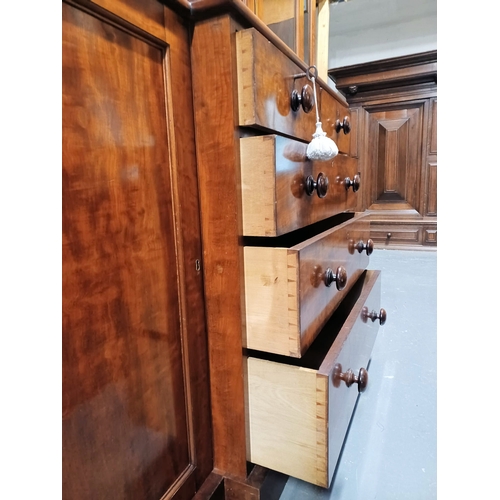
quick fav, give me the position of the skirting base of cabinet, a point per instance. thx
(260, 484)
(411, 235)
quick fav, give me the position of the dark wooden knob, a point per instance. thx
(389, 235)
(349, 378)
(340, 277)
(344, 125)
(304, 98)
(355, 183)
(381, 316)
(320, 185)
(360, 246)
(368, 246)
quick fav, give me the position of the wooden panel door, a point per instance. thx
(133, 402)
(394, 151)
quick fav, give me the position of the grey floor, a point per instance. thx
(390, 450)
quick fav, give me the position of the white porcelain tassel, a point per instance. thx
(321, 148)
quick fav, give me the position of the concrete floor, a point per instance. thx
(390, 450)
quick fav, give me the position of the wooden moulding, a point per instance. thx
(297, 417)
(286, 300)
(410, 70)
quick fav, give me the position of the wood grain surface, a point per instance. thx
(266, 79)
(287, 302)
(135, 406)
(331, 111)
(297, 418)
(217, 149)
(274, 170)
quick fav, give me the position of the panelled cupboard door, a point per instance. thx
(395, 154)
(126, 425)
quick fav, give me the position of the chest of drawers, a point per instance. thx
(218, 314)
(284, 258)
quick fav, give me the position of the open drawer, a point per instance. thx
(293, 285)
(298, 410)
(283, 191)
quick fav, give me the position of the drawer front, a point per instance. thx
(297, 417)
(287, 300)
(396, 234)
(266, 79)
(274, 173)
(330, 111)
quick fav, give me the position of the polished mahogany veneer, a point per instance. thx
(124, 418)
(134, 404)
(282, 190)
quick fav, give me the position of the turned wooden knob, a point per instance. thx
(368, 246)
(305, 99)
(389, 235)
(340, 277)
(344, 125)
(349, 378)
(355, 183)
(320, 185)
(360, 246)
(381, 316)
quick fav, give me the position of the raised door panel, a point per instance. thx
(430, 235)
(394, 151)
(125, 425)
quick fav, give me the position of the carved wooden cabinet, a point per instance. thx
(292, 313)
(395, 102)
